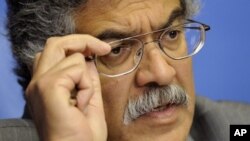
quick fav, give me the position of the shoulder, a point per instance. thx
(232, 112)
(17, 129)
(212, 119)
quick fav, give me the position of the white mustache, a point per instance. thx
(153, 97)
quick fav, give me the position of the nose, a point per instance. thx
(155, 67)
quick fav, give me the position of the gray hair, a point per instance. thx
(31, 22)
(152, 98)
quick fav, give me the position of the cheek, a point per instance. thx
(184, 73)
(115, 92)
(184, 77)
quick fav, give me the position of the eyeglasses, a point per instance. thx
(177, 42)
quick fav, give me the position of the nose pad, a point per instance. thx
(138, 55)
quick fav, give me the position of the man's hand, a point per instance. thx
(64, 95)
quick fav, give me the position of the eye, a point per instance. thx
(117, 56)
(172, 35)
(116, 51)
(122, 54)
(170, 40)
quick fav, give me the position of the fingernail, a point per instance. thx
(106, 46)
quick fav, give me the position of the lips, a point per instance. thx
(166, 112)
(160, 108)
(155, 103)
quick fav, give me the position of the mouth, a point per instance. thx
(157, 104)
(161, 116)
(164, 111)
(161, 108)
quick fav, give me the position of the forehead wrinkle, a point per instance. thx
(106, 17)
(132, 16)
(141, 16)
(148, 20)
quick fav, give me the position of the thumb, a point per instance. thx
(95, 110)
(96, 99)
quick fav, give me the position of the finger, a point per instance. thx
(96, 103)
(81, 88)
(66, 81)
(80, 81)
(95, 111)
(74, 59)
(84, 43)
(85, 86)
(85, 94)
(83, 97)
(96, 83)
(58, 48)
(90, 96)
(81, 84)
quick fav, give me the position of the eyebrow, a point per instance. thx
(116, 34)
(176, 13)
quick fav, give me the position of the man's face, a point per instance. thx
(134, 17)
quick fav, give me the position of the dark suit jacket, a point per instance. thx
(211, 122)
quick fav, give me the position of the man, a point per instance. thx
(110, 70)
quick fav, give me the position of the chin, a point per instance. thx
(167, 124)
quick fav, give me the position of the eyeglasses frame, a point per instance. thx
(204, 28)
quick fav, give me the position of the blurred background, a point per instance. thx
(222, 68)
